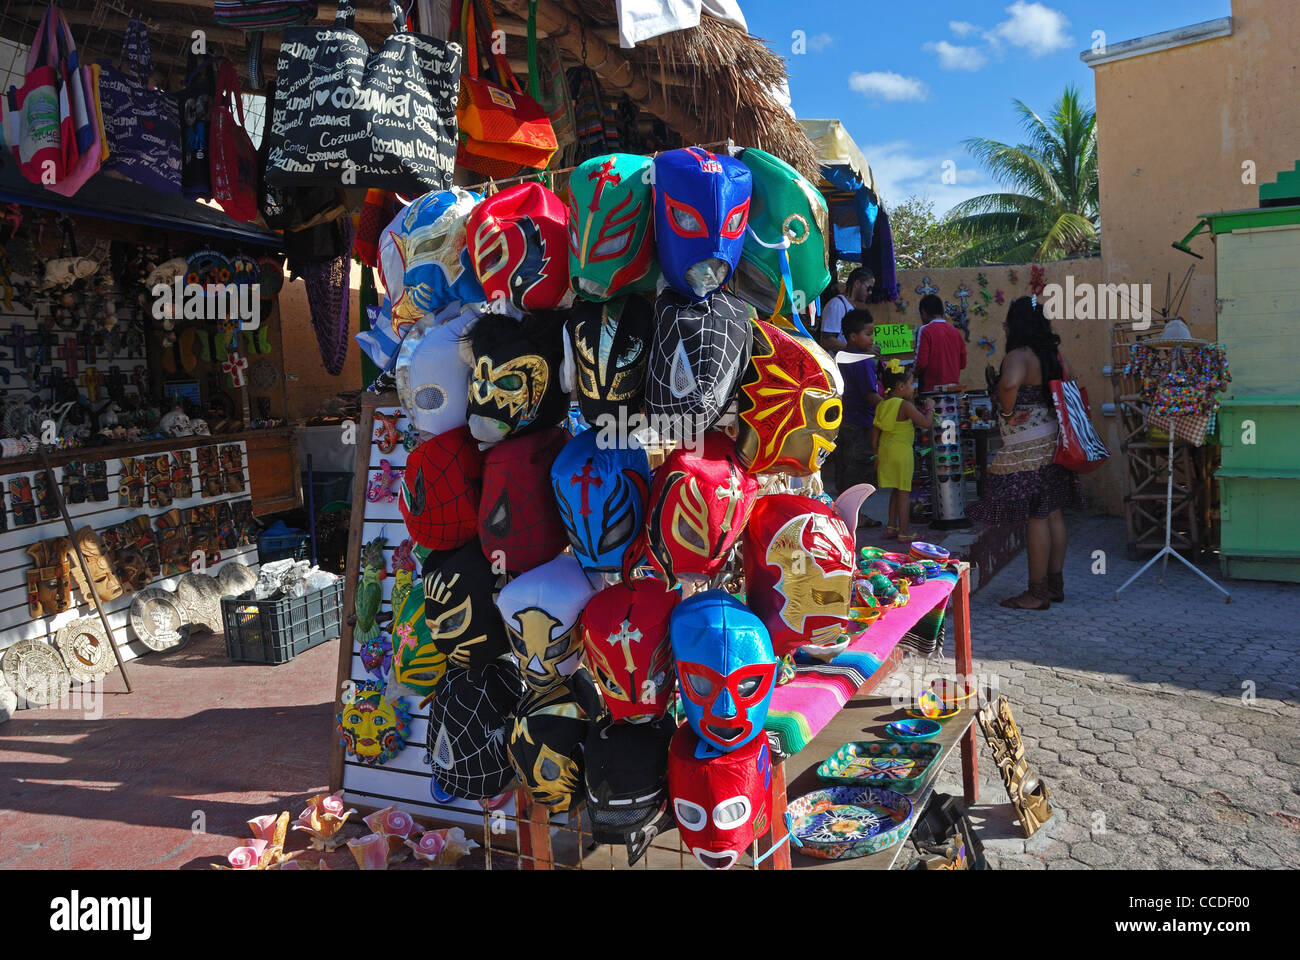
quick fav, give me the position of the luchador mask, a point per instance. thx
(546, 749)
(697, 355)
(625, 636)
(720, 801)
(374, 728)
(518, 241)
(392, 271)
(789, 404)
(436, 265)
(611, 207)
(417, 663)
(725, 667)
(627, 782)
(610, 348)
(701, 210)
(785, 205)
(798, 558)
(601, 494)
(440, 490)
(460, 612)
(700, 505)
(514, 384)
(541, 609)
(432, 376)
(517, 523)
(469, 727)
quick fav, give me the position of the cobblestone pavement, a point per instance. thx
(1166, 723)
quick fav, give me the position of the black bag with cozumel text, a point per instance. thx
(346, 116)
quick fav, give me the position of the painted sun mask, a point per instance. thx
(417, 664)
(518, 243)
(460, 616)
(611, 219)
(720, 801)
(725, 667)
(790, 404)
(514, 384)
(546, 750)
(625, 637)
(798, 557)
(701, 211)
(601, 494)
(373, 727)
(610, 348)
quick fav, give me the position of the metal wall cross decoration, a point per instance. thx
(17, 342)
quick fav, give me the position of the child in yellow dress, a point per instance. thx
(892, 434)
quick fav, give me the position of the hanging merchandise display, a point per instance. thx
(373, 727)
(436, 267)
(624, 632)
(601, 492)
(627, 782)
(518, 526)
(609, 347)
(432, 376)
(701, 212)
(391, 112)
(459, 610)
(469, 727)
(790, 404)
(546, 750)
(325, 274)
(440, 490)
(783, 267)
(514, 385)
(256, 17)
(195, 101)
(799, 563)
(518, 243)
(611, 227)
(232, 158)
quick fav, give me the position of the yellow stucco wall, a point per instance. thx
(306, 382)
(1174, 129)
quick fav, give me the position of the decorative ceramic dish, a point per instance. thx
(838, 823)
(913, 731)
(930, 707)
(880, 763)
(952, 693)
(920, 550)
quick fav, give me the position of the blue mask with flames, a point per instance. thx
(701, 210)
(601, 492)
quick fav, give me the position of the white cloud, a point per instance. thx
(1033, 26)
(901, 171)
(819, 42)
(963, 28)
(886, 85)
(953, 57)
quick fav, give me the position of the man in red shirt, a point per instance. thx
(940, 347)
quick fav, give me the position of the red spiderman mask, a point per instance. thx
(625, 635)
(518, 242)
(440, 491)
(720, 801)
(700, 506)
(798, 558)
(517, 522)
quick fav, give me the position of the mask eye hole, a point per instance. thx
(556, 650)
(734, 225)
(689, 535)
(684, 219)
(550, 770)
(690, 815)
(747, 688)
(701, 686)
(511, 381)
(630, 355)
(681, 378)
(730, 814)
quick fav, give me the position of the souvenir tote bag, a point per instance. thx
(349, 117)
(38, 119)
(141, 124)
(233, 160)
(256, 16)
(1078, 446)
(83, 107)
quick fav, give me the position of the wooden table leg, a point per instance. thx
(776, 802)
(965, 669)
(534, 823)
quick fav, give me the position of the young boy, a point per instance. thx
(851, 461)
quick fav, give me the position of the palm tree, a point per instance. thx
(1054, 213)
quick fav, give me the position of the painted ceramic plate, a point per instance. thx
(913, 731)
(946, 715)
(838, 823)
(36, 672)
(85, 648)
(920, 550)
(880, 763)
(157, 619)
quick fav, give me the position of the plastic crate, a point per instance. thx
(276, 631)
(288, 546)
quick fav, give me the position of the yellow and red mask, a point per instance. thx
(625, 637)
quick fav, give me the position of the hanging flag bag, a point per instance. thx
(232, 157)
(79, 96)
(38, 118)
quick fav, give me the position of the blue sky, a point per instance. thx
(911, 80)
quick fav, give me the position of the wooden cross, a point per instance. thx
(45, 341)
(92, 380)
(139, 377)
(69, 354)
(17, 342)
(87, 339)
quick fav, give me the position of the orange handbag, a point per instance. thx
(501, 127)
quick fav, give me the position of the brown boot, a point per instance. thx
(1035, 598)
(1056, 587)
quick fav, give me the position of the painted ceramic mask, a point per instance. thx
(432, 375)
(519, 245)
(725, 667)
(418, 665)
(698, 353)
(798, 557)
(440, 490)
(460, 613)
(541, 609)
(789, 405)
(374, 728)
(720, 801)
(469, 729)
(625, 637)
(514, 384)
(785, 205)
(609, 346)
(517, 523)
(436, 265)
(627, 783)
(700, 504)
(546, 749)
(601, 493)
(701, 211)
(611, 204)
